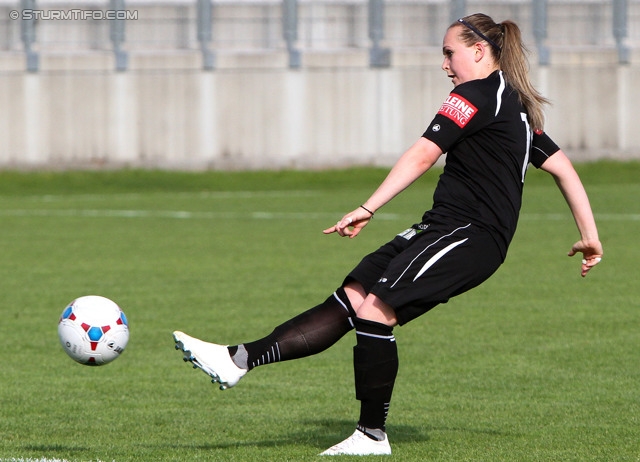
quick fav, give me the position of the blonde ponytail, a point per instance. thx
(508, 49)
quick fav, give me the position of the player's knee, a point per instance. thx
(374, 309)
(355, 293)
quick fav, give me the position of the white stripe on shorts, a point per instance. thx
(425, 249)
(437, 257)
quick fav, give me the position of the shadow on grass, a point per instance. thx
(320, 434)
(316, 433)
(55, 448)
(333, 431)
(328, 432)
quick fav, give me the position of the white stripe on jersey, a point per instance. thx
(541, 151)
(500, 91)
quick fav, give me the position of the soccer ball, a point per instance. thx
(93, 330)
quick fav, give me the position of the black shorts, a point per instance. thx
(427, 265)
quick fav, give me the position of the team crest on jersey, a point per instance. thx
(458, 109)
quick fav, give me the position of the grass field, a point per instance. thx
(537, 364)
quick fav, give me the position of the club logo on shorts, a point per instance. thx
(458, 109)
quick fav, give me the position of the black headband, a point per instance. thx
(480, 34)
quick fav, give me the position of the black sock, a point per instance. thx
(375, 363)
(308, 333)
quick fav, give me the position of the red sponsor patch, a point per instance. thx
(458, 109)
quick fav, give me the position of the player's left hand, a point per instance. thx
(591, 254)
(351, 224)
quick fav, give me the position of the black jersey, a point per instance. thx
(484, 129)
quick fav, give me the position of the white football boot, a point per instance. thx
(359, 444)
(212, 358)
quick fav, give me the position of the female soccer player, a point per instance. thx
(490, 126)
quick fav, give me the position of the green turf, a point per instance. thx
(537, 364)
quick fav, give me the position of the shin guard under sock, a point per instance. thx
(375, 364)
(309, 333)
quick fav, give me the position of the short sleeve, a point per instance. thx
(542, 147)
(465, 111)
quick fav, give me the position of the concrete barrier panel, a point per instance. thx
(254, 112)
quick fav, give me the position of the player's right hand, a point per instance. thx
(351, 224)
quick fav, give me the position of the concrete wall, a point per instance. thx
(255, 112)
